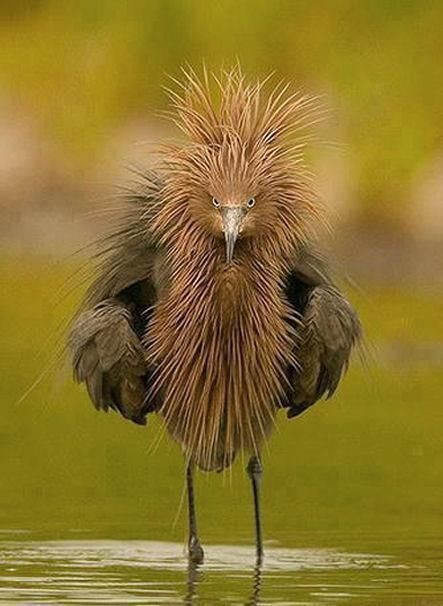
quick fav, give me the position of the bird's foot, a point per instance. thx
(195, 551)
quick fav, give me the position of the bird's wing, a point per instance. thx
(328, 329)
(108, 357)
(127, 255)
(105, 339)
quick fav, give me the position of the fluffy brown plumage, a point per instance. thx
(216, 348)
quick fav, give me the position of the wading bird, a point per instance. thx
(211, 307)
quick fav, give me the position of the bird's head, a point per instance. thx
(242, 176)
(235, 199)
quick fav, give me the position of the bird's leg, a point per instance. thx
(195, 550)
(255, 471)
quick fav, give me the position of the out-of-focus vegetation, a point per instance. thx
(83, 68)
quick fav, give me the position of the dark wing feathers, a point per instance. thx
(311, 268)
(107, 355)
(329, 330)
(105, 337)
(126, 257)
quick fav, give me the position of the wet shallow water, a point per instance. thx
(148, 572)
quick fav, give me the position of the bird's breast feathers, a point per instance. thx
(219, 343)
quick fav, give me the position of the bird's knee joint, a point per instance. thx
(254, 468)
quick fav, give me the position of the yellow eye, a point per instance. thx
(250, 203)
(215, 202)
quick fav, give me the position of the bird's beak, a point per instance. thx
(232, 217)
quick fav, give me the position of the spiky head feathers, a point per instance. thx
(245, 149)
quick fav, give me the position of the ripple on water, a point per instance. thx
(146, 572)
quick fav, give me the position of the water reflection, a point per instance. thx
(253, 600)
(194, 577)
(143, 572)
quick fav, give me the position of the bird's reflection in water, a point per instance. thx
(255, 595)
(195, 574)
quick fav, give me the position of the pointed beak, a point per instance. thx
(232, 217)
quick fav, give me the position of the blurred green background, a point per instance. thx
(83, 70)
(80, 83)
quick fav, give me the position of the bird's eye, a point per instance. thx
(250, 203)
(215, 202)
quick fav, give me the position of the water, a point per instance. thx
(149, 572)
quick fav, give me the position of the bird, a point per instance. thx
(213, 305)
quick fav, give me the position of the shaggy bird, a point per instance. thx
(212, 306)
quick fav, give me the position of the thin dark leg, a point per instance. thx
(255, 471)
(196, 553)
